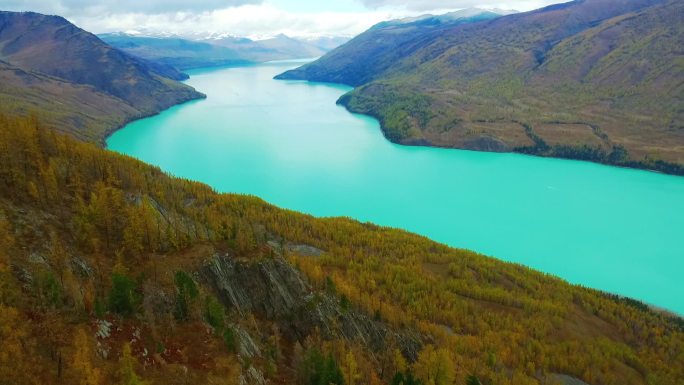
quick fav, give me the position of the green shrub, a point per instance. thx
(230, 339)
(186, 292)
(213, 312)
(122, 298)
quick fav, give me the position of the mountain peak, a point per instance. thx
(446, 18)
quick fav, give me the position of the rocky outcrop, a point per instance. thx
(304, 250)
(564, 379)
(246, 346)
(275, 290)
(486, 143)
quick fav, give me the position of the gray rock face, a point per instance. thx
(37, 258)
(81, 267)
(567, 380)
(268, 288)
(252, 376)
(275, 290)
(246, 345)
(487, 143)
(305, 250)
(24, 276)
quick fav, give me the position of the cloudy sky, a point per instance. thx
(252, 18)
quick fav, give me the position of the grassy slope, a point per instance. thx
(597, 80)
(503, 322)
(113, 86)
(75, 109)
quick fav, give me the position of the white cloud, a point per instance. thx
(247, 20)
(251, 18)
(430, 5)
(89, 7)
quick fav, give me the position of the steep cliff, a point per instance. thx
(277, 291)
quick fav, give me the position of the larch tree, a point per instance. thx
(8, 291)
(435, 366)
(350, 369)
(127, 373)
(81, 362)
(15, 349)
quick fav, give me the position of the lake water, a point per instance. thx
(287, 142)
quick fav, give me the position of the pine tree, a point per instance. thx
(186, 292)
(214, 313)
(122, 298)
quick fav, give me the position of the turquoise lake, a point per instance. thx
(287, 142)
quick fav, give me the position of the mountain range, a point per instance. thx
(598, 80)
(186, 53)
(382, 46)
(89, 88)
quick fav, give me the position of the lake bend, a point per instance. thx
(614, 229)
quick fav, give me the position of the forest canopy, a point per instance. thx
(94, 243)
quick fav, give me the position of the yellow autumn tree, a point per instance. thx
(350, 369)
(81, 363)
(435, 366)
(127, 368)
(6, 243)
(226, 372)
(400, 364)
(8, 290)
(15, 355)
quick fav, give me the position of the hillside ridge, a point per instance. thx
(596, 80)
(122, 88)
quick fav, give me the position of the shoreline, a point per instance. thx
(102, 142)
(655, 308)
(539, 149)
(665, 168)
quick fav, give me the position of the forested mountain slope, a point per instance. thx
(114, 86)
(600, 80)
(112, 272)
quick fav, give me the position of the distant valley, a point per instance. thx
(185, 53)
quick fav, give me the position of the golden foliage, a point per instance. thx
(16, 364)
(127, 368)
(114, 210)
(435, 366)
(82, 366)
